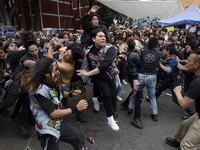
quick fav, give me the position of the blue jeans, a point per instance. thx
(118, 85)
(150, 82)
(132, 102)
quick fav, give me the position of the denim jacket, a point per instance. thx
(44, 124)
(175, 75)
(112, 70)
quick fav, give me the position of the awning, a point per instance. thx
(139, 9)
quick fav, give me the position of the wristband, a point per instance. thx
(160, 63)
(70, 94)
(74, 109)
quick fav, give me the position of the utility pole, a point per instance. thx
(30, 13)
(64, 12)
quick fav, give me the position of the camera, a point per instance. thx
(60, 40)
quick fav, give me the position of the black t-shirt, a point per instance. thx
(193, 93)
(87, 29)
(27, 56)
(103, 65)
(150, 59)
(12, 60)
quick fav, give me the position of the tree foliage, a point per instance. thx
(8, 11)
(75, 15)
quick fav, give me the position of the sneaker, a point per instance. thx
(96, 103)
(173, 142)
(119, 98)
(124, 81)
(188, 114)
(147, 98)
(22, 129)
(130, 110)
(112, 123)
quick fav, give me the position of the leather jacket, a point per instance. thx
(134, 63)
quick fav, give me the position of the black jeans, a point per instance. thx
(107, 88)
(122, 69)
(68, 135)
(11, 97)
(139, 97)
(166, 84)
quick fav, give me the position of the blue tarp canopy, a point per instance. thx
(143, 19)
(190, 15)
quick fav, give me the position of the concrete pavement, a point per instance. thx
(129, 137)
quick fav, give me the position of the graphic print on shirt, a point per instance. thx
(94, 60)
(53, 93)
(54, 123)
(149, 58)
(39, 125)
(35, 111)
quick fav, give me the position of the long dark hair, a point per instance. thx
(32, 78)
(28, 39)
(131, 45)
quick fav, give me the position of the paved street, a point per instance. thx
(129, 137)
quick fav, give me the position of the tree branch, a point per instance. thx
(13, 9)
(77, 9)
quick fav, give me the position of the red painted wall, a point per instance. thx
(50, 14)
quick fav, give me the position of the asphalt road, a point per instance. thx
(129, 137)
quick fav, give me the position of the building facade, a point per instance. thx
(49, 14)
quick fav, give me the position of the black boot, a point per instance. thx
(173, 142)
(125, 104)
(137, 123)
(22, 129)
(80, 117)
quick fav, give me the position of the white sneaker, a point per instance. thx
(112, 123)
(96, 103)
(124, 81)
(119, 98)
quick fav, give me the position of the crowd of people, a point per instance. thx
(40, 72)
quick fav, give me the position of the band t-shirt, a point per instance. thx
(193, 93)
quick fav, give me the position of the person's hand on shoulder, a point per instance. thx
(82, 72)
